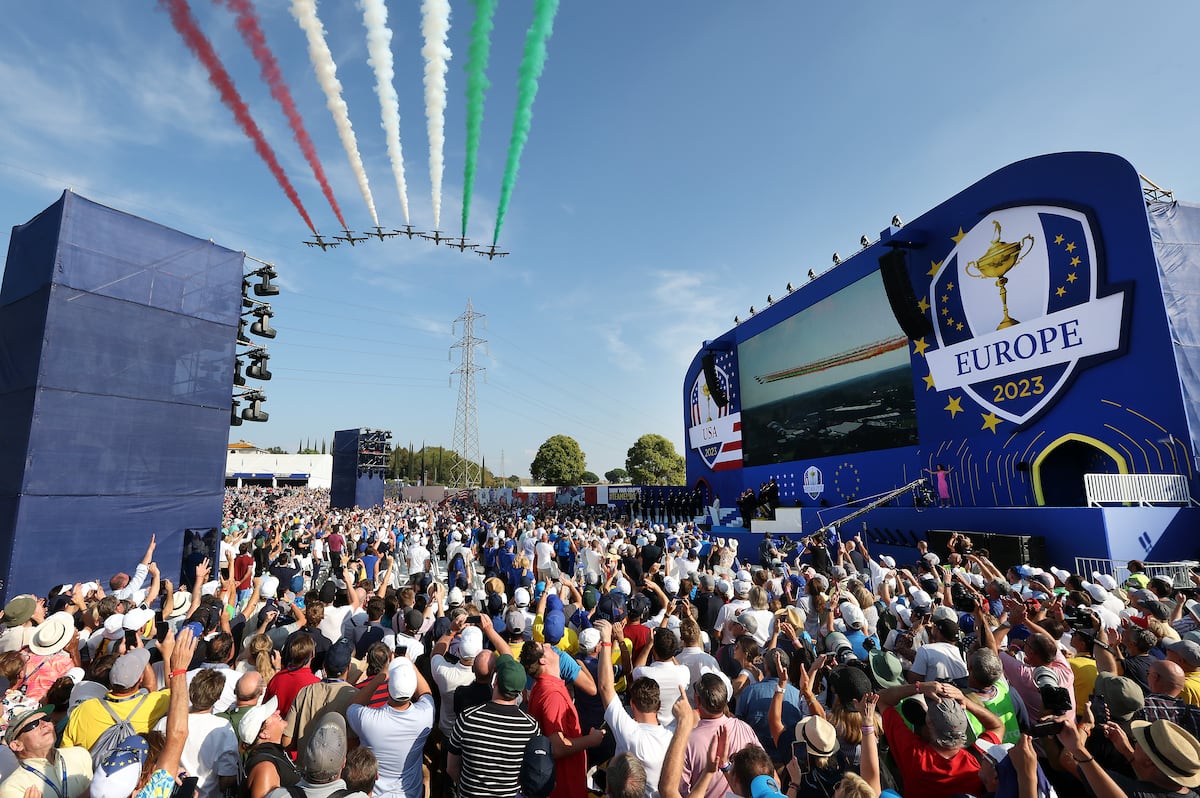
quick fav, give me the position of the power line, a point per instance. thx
(465, 473)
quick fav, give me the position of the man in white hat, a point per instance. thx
(741, 601)
(267, 764)
(395, 732)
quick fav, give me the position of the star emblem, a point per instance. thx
(919, 346)
(929, 382)
(1060, 291)
(990, 421)
(1058, 239)
(934, 265)
(961, 235)
(923, 305)
(1071, 247)
(955, 406)
(1071, 277)
(1075, 261)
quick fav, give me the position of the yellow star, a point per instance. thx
(961, 235)
(1075, 261)
(1058, 239)
(1071, 247)
(958, 326)
(990, 421)
(934, 265)
(955, 406)
(919, 347)
(945, 311)
(945, 298)
(1071, 277)
(1060, 291)
(923, 305)
(929, 382)
(950, 322)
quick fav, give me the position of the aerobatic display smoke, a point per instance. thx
(379, 56)
(532, 64)
(252, 33)
(435, 27)
(185, 24)
(477, 86)
(305, 12)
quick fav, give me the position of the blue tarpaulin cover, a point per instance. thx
(117, 345)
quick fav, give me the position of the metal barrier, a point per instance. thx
(1175, 572)
(1139, 489)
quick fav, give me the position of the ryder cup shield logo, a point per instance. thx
(1015, 309)
(715, 431)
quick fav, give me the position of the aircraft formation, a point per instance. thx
(348, 237)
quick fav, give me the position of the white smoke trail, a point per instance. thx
(379, 56)
(435, 27)
(305, 12)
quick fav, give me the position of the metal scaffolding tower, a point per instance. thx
(466, 473)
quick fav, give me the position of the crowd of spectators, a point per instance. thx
(412, 650)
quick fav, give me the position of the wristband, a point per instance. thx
(918, 686)
(181, 672)
(780, 690)
(868, 729)
(725, 768)
(1083, 761)
(606, 645)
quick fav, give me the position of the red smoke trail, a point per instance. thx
(185, 24)
(252, 34)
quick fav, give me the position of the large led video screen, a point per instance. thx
(833, 379)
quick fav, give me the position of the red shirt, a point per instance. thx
(926, 772)
(242, 571)
(638, 634)
(287, 683)
(551, 706)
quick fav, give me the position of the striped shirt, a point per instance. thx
(491, 740)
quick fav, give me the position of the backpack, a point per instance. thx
(537, 768)
(111, 738)
(298, 792)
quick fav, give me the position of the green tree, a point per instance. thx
(277, 450)
(588, 478)
(559, 461)
(652, 460)
(617, 475)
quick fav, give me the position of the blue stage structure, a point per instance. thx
(1038, 326)
(360, 460)
(116, 366)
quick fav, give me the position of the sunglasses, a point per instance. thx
(33, 724)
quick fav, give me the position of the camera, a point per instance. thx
(1081, 620)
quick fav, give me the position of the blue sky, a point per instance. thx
(686, 159)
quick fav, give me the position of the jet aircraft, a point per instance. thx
(436, 238)
(462, 245)
(410, 232)
(490, 253)
(380, 234)
(320, 242)
(349, 237)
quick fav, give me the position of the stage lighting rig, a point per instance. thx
(864, 242)
(896, 221)
(789, 288)
(234, 419)
(262, 326)
(812, 275)
(752, 310)
(374, 450)
(770, 300)
(265, 275)
(254, 412)
(836, 259)
(257, 370)
(736, 321)
(239, 379)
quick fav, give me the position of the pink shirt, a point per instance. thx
(1020, 678)
(695, 757)
(41, 672)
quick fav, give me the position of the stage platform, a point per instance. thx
(1162, 534)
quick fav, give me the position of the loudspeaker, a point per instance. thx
(351, 486)
(1003, 550)
(893, 268)
(708, 362)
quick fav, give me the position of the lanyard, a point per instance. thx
(50, 784)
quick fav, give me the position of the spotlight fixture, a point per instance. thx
(789, 288)
(247, 302)
(736, 320)
(812, 275)
(896, 221)
(752, 310)
(770, 299)
(257, 370)
(836, 260)
(864, 242)
(242, 340)
(234, 419)
(262, 327)
(265, 287)
(238, 378)
(255, 412)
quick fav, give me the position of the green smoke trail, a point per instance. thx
(532, 64)
(477, 86)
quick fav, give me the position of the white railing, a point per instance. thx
(1139, 489)
(1174, 572)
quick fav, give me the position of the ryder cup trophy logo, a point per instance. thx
(715, 430)
(1016, 309)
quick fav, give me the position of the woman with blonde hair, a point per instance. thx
(262, 657)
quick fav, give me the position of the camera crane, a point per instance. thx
(879, 501)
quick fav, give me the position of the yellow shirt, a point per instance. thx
(89, 720)
(569, 642)
(1191, 689)
(1085, 672)
(75, 762)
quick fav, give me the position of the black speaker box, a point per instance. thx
(893, 268)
